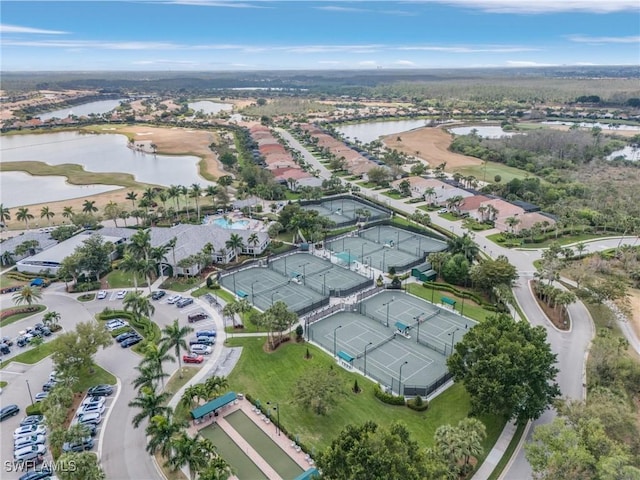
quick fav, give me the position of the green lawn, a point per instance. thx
(561, 240)
(6, 281)
(180, 284)
(273, 377)
(3, 384)
(32, 355)
(19, 316)
(493, 169)
(97, 376)
(450, 216)
(121, 279)
(395, 196)
(471, 308)
(175, 383)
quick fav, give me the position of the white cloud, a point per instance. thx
(464, 49)
(526, 63)
(368, 63)
(164, 62)
(542, 6)
(405, 63)
(600, 40)
(20, 29)
(212, 3)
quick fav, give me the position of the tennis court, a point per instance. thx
(403, 240)
(379, 326)
(263, 287)
(319, 275)
(342, 211)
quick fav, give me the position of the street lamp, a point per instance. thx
(417, 318)
(29, 389)
(277, 409)
(277, 291)
(304, 272)
(400, 379)
(334, 339)
(252, 295)
(387, 305)
(384, 255)
(462, 307)
(365, 357)
(453, 336)
(324, 282)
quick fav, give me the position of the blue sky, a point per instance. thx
(203, 35)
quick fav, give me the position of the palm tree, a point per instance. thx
(159, 256)
(254, 241)
(174, 337)
(163, 196)
(580, 247)
(51, 318)
(230, 309)
(194, 452)
(217, 469)
(149, 194)
(133, 196)
(46, 212)
(214, 385)
(512, 222)
(172, 245)
(89, 206)
(138, 305)
(67, 212)
(124, 215)
(465, 245)
(235, 243)
(150, 404)
(174, 191)
(27, 295)
(212, 191)
(5, 216)
(430, 193)
(149, 376)
(23, 215)
(195, 392)
(161, 431)
(131, 264)
(196, 193)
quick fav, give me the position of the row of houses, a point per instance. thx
(279, 161)
(481, 207)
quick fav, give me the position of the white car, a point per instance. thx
(90, 417)
(442, 210)
(84, 409)
(121, 294)
(201, 349)
(22, 442)
(173, 299)
(29, 430)
(93, 401)
(102, 294)
(29, 453)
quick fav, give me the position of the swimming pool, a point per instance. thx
(237, 225)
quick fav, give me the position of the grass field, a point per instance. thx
(274, 376)
(181, 284)
(6, 281)
(33, 355)
(561, 240)
(492, 169)
(120, 279)
(175, 383)
(97, 376)
(471, 308)
(19, 316)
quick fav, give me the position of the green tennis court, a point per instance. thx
(345, 211)
(282, 463)
(242, 465)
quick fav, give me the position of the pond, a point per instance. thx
(603, 126)
(98, 153)
(367, 132)
(484, 131)
(628, 152)
(20, 188)
(209, 107)
(85, 109)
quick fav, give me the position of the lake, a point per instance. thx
(603, 126)
(209, 107)
(82, 110)
(20, 188)
(485, 131)
(367, 132)
(99, 153)
(628, 152)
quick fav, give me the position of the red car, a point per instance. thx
(192, 358)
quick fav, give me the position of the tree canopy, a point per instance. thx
(74, 350)
(507, 367)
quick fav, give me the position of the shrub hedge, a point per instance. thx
(418, 404)
(149, 330)
(388, 398)
(461, 293)
(19, 310)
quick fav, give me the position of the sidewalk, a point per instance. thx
(497, 452)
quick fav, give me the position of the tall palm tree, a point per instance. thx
(217, 469)
(235, 243)
(159, 256)
(172, 245)
(163, 196)
(184, 191)
(131, 264)
(67, 212)
(133, 196)
(213, 386)
(174, 192)
(254, 241)
(193, 394)
(512, 222)
(51, 318)
(161, 431)
(26, 295)
(190, 451)
(212, 191)
(46, 212)
(23, 215)
(89, 206)
(124, 215)
(196, 193)
(149, 377)
(174, 337)
(5, 215)
(150, 404)
(149, 194)
(138, 305)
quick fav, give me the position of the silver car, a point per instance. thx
(22, 442)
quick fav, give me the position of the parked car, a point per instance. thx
(91, 417)
(96, 408)
(38, 327)
(196, 317)
(206, 333)
(93, 401)
(158, 294)
(102, 294)
(42, 474)
(27, 430)
(131, 341)
(203, 341)
(183, 302)
(192, 358)
(49, 385)
(22, 340)
(9, 411)
(115, 325)
(29, 453)
(100, 391)
(123, 336)
(114, 321)
(173, 299)
(53, 376)
(4, 349)
(7, 341)
(85, 444)
(28, 441)
(121, 294)
(32, 420)
(41, 396)
(90, 428)
(200, 349)
(46, 331)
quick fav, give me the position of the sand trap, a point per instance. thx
(634, 299)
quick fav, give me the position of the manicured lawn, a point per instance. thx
(121, 279)
(450, 216)
(289, 195)
(274, 376)
(175, 383)
(395, 196)
(32, 355)
(6, 281)
(561, 240)
(87, 297)
(97, 376)
(180, 284)
(471, 308)
(19, 316)
(3, 384)
(492, 169)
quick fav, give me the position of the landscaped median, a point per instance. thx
(13, 314)
(145, 327)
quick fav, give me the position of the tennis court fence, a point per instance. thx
(391, 385)
(428, 341)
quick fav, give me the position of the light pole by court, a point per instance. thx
(277, 409)
(334, 339)
(277, 291)
(417, 318)
(387, 305)
(324, 282)
(234, 284)
(365, 357)
(453, 336)
(253, 297)
(29, 389)
(304, 272)
(384, 256)
(400, 378)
